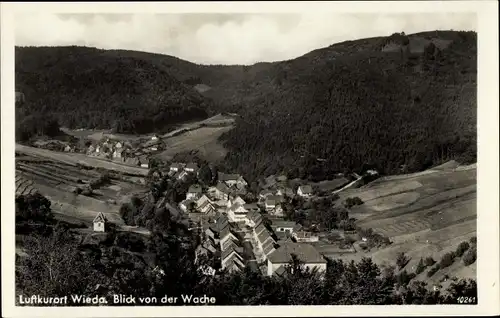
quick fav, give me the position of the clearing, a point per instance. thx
(57, 180)
(424, 214)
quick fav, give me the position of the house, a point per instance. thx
(265, 193)
(285, 191)
(207, 208)
(306, 253)
(305, 191)
(251, 207)
(154, 137)
(99, 223)
(237, 213)
(254, 219)
(235, 200)
(91, 150)
(118, 145)
(226, 235)
(283, 226)
(231, 179)
(117, 153)
(191, 167)
(194, 192)
(231, 258)
(67, 148)
(176, 167)
(185, 205)
(272, 201)
(277, 211)
(221, 191)
(181, 175)
(265, 240)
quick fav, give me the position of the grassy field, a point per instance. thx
(204, 140)
(75, 159)
(424, 214)
(57, 180)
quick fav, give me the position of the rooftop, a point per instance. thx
(304, 252)
(195, 188)
(306, 189)
(283, 223)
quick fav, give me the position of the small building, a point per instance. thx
(302, 236)
(272, 201)
(99, 223)
(283, 226)
(305, 253)
(176, 167)
(191, 167)
(305, 191)
(277, 211)
(118, 145)
(232, 179)
(220, 192)
(194, 192)
(118, 153)
(254, 219)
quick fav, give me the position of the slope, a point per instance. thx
(91, 88)
(377, 101)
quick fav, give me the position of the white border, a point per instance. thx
(488, 189)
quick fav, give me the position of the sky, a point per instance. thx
(227, 38)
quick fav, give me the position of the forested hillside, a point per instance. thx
(91, 88)
(399, 103)
(362, 102)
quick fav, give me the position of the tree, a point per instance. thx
(33, 207)
(55, 267)
(205, 175)
(447, 260)
(402, 260)
(461, 249)
(429, 261)
(470, 256)
(420, 267)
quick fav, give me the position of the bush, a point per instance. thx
(350, 202)
(432, 271)
(420, 267)
(447, 259)
(429, 261)
(473, 240)
(461, 249)
(402, 260)
(470, 257)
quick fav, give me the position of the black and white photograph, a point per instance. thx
(249, 157)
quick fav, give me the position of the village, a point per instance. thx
(127, 152)
(239, 233)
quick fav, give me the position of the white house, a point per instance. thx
(99, 223)
(118, 145)
(237, 213)
(194, 192)
(238, 200)
(305, 191)
(283, 226)
(303, 251)
(220, 192)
